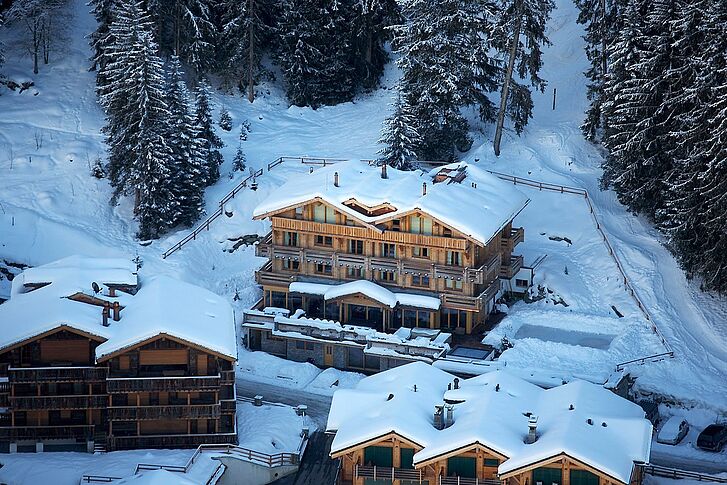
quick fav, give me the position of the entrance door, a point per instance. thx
(328, 355)
(255, 340)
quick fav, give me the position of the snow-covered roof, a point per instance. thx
(162, 305)
(79, 272)
(479, 206)
(492, 410)
(369, 289)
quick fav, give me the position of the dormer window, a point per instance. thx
(323, 213)
(421, 225)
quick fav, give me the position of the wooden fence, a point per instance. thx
(675, 473)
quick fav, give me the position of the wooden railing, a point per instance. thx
(182, 383)
(564, 189)
(19, 403)
(467, 481)
(677, 474)
(98, 479)
(387, 473)
(228, 406)
(56, 374)
(643, 360)
(182, 411)
(169, 441)
(205, 225)
(227, 377)
(511, 269)
(16, 433)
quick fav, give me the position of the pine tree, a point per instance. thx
(239, 163)
(100, 39)
(526, 18)
(189, 165)
(370, 22)
(244, 130)
(225, 121)
(444, 54)
(210, 142)
(399, 137)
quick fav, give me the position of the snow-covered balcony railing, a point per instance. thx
(16, 433)
(136, 413)
(57, 374)
(388, 473)
(170, 441)
(178, 383)
(510, 269)
(19, 403)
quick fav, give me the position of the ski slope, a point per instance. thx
(50, 207)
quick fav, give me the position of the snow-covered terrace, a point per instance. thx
(366, 288)
(582, 420)
(479, 206)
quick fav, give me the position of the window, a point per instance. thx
(396, 225)
(355, 246)
(277, 299)
(386, 276)
(522, 283)
(419, 252)
(324, 269)
(379, 456)
(388, 250)
(299, 212)
(547, 476)
(290, 265)
(420, 280)
(290, 238)
(324, 241)
(358, 360)
(407, 458)
(356, 273)
(460, 466)
(452, 318)
(492, 462)
(410, 318)
(446, 232)
(451, 284)
(304, 345)
(454, 258)
(323, 213)
(421, 225)
(423, 319)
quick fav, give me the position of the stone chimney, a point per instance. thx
(116, 310)
(105, 314)
(532, 430)
(449, 419)
(424, 188)
(439, 416)
(335, 179)
(383, 171)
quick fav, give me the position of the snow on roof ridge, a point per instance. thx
(479, 208)
(492, 409)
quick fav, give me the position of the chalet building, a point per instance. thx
(91, 359)
(433, 248)
(419, 424)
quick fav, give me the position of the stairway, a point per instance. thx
(99, 443)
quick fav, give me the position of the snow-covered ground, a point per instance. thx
(50, 208)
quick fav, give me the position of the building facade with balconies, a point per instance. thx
(90, 359)
(442, 241)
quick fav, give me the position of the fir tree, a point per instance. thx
(239, 163)
(370, 22)
(100, 39)
(225, 121)
(244, 130)
(399, 137)
(210, 142)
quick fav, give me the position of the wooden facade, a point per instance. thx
(412, 252)
(163, 392)
(389, 459)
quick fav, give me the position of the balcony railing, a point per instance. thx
(228, 406)
(17, 433)
(137, 413)
(116, 385)
(516, 236)
(169, 441)
(467, 481)
(57, 374)
(18, 403)
(479, 275)
(388, 473)
(510, 269)
(227, 377)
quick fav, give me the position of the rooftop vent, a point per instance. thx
(96, 288)
(604, 424)
(424, 188)
(439, 416)
(571, 407)
(391, 396)
(335, 179)
(384, 175)
(589, 421)
(532, 430)
(105, 314)
(116, 310)
(456, 382)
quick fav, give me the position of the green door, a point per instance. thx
(583, 477)
(459, 466)
(407, 458)
(379, 456)
(547, 476)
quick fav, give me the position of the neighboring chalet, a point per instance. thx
(419, 424)
(90, 359)
(363, 246)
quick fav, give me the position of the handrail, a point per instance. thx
(643, 360)
(564, 189)
(662, 471)
(98, 479)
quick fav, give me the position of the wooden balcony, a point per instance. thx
(228, 406)
(56, 374)
(4, 400)
(115, 385)
(388, 473)
(516, 236)
(18, 433)
(20, 403)
(227, 377)
(169, 441)
(354, 232)
(139, 413)
(510, 269)
(479, 275)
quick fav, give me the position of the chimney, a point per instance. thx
(383, 171)
(456, 382)
(105, 314)
(424, 188)
(532, 430)
(450, 416)
(439, 416)
(335, 179)
(116, 311)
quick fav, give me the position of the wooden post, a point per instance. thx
(555, 91)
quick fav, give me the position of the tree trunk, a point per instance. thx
(506, 84)
(137, 200)
(36, 44)
(251, 56)
(604, 55)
